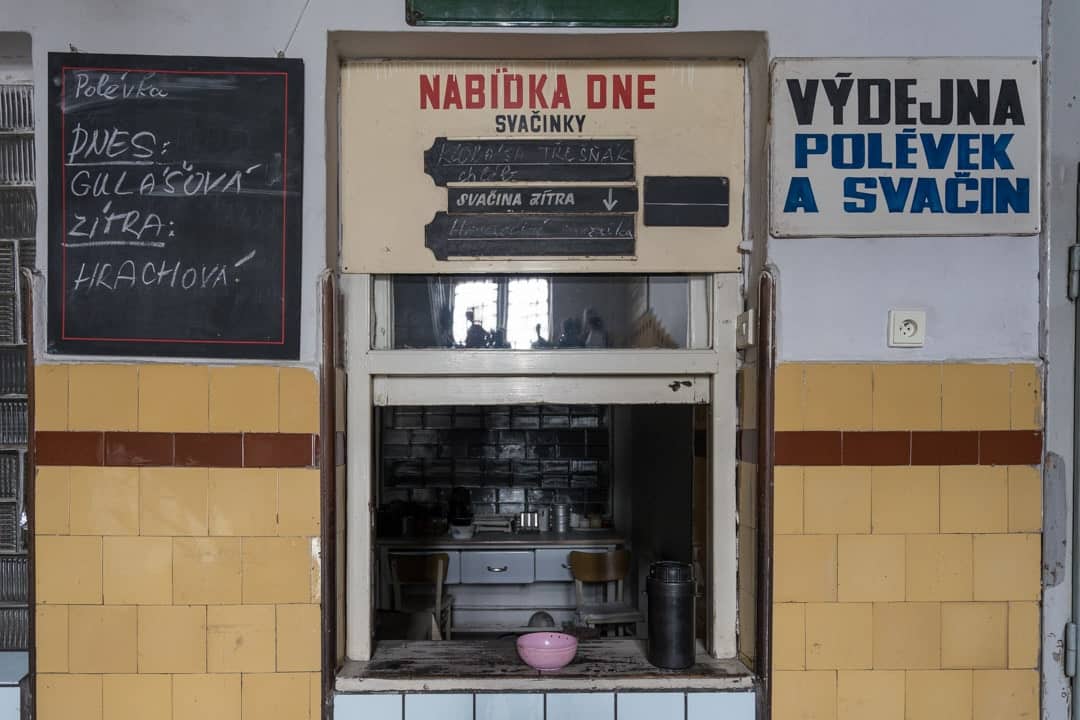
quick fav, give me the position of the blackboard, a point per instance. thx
(174, 205)
(686, 201)
(449, 236)
(541, 198)
(487, 161)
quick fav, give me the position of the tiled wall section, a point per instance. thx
(908, 397)
(901, 591)
(550, 706)
(177, 592)
(512, 458)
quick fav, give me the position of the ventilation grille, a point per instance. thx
(18, 212)
(10, 471)
(18, 225)
(17, 160)
(14, 628)
(12, 422)
(13, 579)
(17, 108)
(12, 371)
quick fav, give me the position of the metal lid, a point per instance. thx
(671, 572)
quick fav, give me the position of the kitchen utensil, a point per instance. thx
(461, 505)
(560, 517)
(528, 521)
(462, 532)
(547, 651)
(545, 519)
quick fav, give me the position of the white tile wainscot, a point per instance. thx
(550, 706)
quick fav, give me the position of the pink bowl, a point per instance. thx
(547, 650)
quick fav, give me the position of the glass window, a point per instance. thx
(476, 306)
(529, 312)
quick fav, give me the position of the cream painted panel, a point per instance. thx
(695, 128)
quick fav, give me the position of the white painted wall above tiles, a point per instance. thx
(810, 269)
(980, 296)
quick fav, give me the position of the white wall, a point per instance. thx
(976, 316)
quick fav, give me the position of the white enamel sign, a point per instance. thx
(943, 146)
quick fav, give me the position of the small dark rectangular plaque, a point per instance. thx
(544, 13)
(686, 201)
(488, 161)
(450, 236)
(546, 198)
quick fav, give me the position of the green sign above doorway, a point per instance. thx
(544, 13)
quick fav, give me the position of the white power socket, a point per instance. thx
(907, 328)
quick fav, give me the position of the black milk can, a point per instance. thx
(670, 586)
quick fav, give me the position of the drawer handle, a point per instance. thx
(565, 566)
(504, 568)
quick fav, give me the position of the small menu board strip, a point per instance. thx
(450, 236)
(175, 188)
(504, 199)
(686, 201)
(531, 160)
(543, 13)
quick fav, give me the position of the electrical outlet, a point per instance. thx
(907, 328)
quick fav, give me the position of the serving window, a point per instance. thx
(637, 441)
(541, 268)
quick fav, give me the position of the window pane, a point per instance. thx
(573, 311)
(528, 312)
(479, 298)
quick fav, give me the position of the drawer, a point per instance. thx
(553, 564)
(497, 566)
(453, 568)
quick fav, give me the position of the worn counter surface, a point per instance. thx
(606, 664)
(574, 538)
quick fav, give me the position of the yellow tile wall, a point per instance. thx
(907, 593)
(908, 396)
(175, 398)
(183, 593)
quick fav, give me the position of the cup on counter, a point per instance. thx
(575, 520)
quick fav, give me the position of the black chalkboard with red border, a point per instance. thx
(175, 195)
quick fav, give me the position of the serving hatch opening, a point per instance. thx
(495, 498)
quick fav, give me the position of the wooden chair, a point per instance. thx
(430, 570)
(605, 567)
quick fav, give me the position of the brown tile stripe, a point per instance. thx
(808, 448)
(834, 447)
(177, 449)
(876, 448)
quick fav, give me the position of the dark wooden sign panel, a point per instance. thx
(534, 199)
(449, 236)
(489, 161)
(543, 13)
(686, 201)
(175, 205)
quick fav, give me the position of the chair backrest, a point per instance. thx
(419, 569)
(425, 569)
(600, 567)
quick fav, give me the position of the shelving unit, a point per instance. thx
(18, 222)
